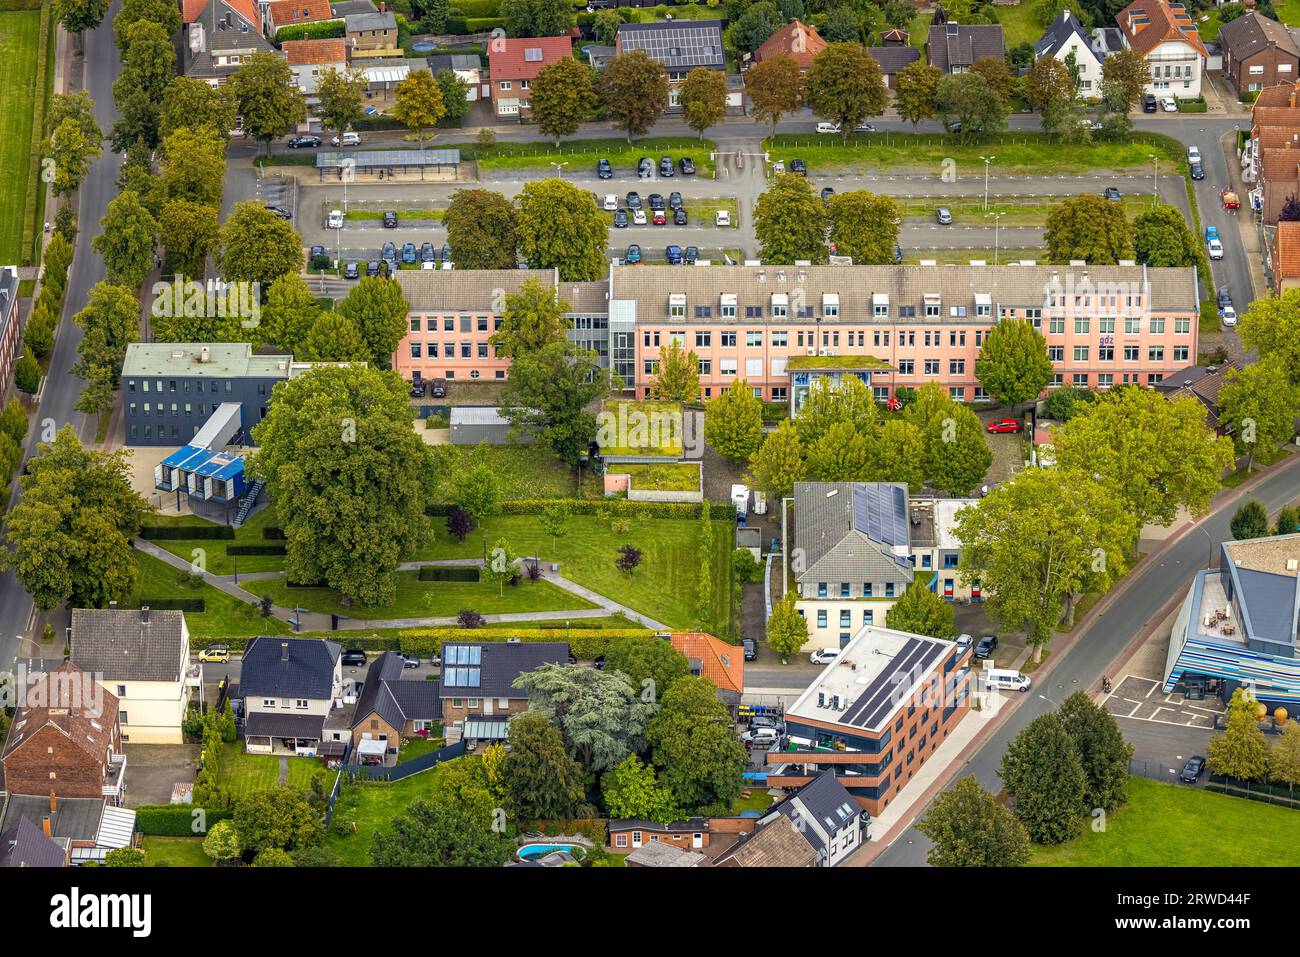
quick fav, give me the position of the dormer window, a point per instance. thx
(831, 305)
(780, 305)
(677, 305)
(983, 305)
(933, 305)
(727, 306)
(880, 305)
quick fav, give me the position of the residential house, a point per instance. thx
(1067, 41)
(290, 687)
(65, 738)
(144, 657)
(29, 844)
(679, 46)
(468, 68)
(953, 47)
(11, 323)
(1204, 384)
(827, 817)
(1258, 53)
(782, 327)
(1273, 152)
(664, 855)
(390, 709)
(630, 834)
(293, 13)
(342, 9)
(797, 40)
(514, 63)
(310, 59)
(893, 59)
(1237, 625)
(477, 691)
(384, 76)
(859, 546)
(218, 36)
(373, 34)
(1165, 35)
(777, 844)
(874, 715)
(714, 659)
(1285, 264)
(88, 827)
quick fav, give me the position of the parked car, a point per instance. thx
(1224, 298)
(307, 141)
(679, 217)
(827, 193)
(409, 255)
(1112, 193)
(964, 641)
(611, 203)
(215, 653)
(828, 127)
(427, 253)
(1149, 103)
(751, 648)
(374, 267)
(944, 215)
(349, 139)
(633, 255)
(666, 167)
(620, 218)
(638, 217)
(445, 255)
(761, 737)
(660, 217)
(1091, 124)
(1215, 249)
(686, 165)
(864, 128)
(1193, 770)
(1228, 316)
(799, 166)
(690, 254)
(633, 200)
(723, 218)
(655, 201)
(390, 220)
(1003, 426)
(986, 646)
(1198, 171)
(314, 252)
(389, 254)
(598, 662)
(353, 657)
(279, 211)
(824, 656)
(410, 661)
(604, 170)
(898, 254)
(1169, 104)
(1211, 232)
(1193, 154)
(351, 270)
(335, 219)
(417, 389)
(646, 168)
(439, 390)
(1005, 679)
(436, 661)
(766, 721)
(673, 254)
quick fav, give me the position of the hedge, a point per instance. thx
(328, 30)
(484, 24)
(35, 186)
(449, 573)
(594, 829)
(185, 532)
(176, 820)
(617, 508)
(475, 8)
(255, 550)
(586, 644)
(273, 533)
(195, 605)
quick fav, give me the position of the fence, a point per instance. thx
(414, 766)
(1254, 791)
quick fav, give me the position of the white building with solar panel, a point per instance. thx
(858, 546)
(679, 46)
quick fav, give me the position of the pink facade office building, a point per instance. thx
(781, 327)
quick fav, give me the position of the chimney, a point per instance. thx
(144, 615)
(383, 7)
(204, 355)
(284, 651)
(54, 803)
(45, 825)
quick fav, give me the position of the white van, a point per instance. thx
(1005, 679)
(828, 127)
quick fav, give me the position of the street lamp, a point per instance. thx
(997, 221)
(1155, 178)
(987, 160)
(1210, 538)
(559, 169)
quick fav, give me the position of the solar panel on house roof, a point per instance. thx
(880, 513)
(881, 695)
(533, 54)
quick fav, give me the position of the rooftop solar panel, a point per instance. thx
(880, 697)
(880, 513)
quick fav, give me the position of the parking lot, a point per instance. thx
(1141, 699)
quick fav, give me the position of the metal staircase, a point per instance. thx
(249, 500)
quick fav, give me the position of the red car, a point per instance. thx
(1004, 425)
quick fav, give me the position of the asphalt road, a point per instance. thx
(1091, 655)
(63, 389)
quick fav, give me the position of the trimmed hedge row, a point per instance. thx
(273, 533)
(588, 644)
(185, 532)
(255, 550)
(449, 573)
(328, 30)
(614, 508)
(16, 6)
(177, 820)
(35, 186)
(195, 605)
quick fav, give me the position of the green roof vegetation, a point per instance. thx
(664, 477)
(837, 362)
(640, 427)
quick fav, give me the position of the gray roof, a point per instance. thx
(8, 297)
(1109, 40)
(76, 819)
(685, 826)
(224, 360)
(394, 700)
(277, 724)
(894, 58)
(241, 36)
(677, 44)
(951, 44)
(477, 415)
(453, 61)
(824, 802)
(489, 669)
(846, 531)
(370, 159)
(27, 846)
(659, 854)
(371, 21)
(1253, 32)
(1268, 603)
(308, 672)
(129, 644)
(1058, 34)
(349, 8)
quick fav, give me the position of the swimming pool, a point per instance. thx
(532, 851)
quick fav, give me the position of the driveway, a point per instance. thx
(152, 769)
(1140, 699)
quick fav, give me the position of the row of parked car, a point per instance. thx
(675, 255)
(645, 169)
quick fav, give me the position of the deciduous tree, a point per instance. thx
(1091, 228)
(1013, 366)
(703, 98)
(377, 307)
(533, 318)
(694, 747)
(194, 103)
(562, 96)
(1260, 404)
(111, 321)
(418, 103)
(677, 376)
(969, 828)
(1161, 238)
(776, 88)
(256, 245)
(547, 395)
(537, 18)
(634, 89)
(968, 100)
(126, 240)
(915, 89)
(1044, 775)
(341, 97)
(1102, 750)
(482, 229)
(441, 833)
(922, 612)
(267, 97)
(632, 790)
(778, 463)
(561, 228)
(845, 86)
(188, 231)
(733, 422)
(1240, 751)
(790, 221)
(787, 630)
(864, 226)
(541, 779)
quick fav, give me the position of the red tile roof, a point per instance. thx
(795, 39)
(71, 701)
(523, 58)
(721, 663)
(301, 52)
(1148, 23)
(1287, 265)
(285, 12)
(191, 10)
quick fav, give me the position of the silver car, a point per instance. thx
(944, 215)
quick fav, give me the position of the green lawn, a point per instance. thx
(417, 599)
(1019, 23)
(417, 747)
(213, 550)
(19, 39)
(1016, 211)
(365, 807)
(579, 154)
(175, 852)
(963, 256)
(1165, 825)
(529, 471)
(224, 617)
(665, 586)
(244, 773)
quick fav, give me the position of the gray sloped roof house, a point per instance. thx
(851, 532)
(218, 40)
(953, 47)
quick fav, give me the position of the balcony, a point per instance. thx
(115, 777)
